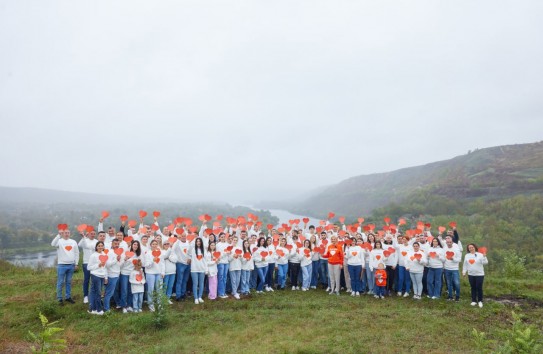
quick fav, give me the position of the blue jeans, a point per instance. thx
(254, 277)
(434, 281)
(64, 276)
(323, 274)
(197, 284)
(182, 277)
(153, 281)
(86, 280)
(126, 291)
(137, 300)
(110, 291)
(453, 283)
(315, 267)
(370, 277)
(269, 274)
(306, 276)
(282, 270)
(95, 295)
(222, 269)
(245, 279)
(354, 272)
(380, 290)
(404, 280)
(168, 284)
(235, 277)
(261, 278)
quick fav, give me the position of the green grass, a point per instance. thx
(279, 322)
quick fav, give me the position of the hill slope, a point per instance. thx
(491, 173)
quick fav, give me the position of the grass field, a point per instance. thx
(279, 322)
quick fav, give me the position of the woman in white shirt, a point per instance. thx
(97, 268)
(474, 262)
(198, 268)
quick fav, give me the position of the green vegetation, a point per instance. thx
(47, 341)
(279, 322)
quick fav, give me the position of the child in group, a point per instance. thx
(137, 281)
(380, 281)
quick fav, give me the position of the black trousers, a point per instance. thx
(476, 284)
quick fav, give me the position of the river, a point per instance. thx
(49, 258)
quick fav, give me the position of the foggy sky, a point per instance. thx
(248, 100)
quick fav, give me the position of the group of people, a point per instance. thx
(129, 265)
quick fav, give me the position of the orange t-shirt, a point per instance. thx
(335, 254)
(383, 280)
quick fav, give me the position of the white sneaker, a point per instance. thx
(201, 300)
(91, 312)
(100, 313)
(313, 287)
(86, 300)
(353, 294)
(357, 293)
(124, 310)
(117, 307)
(328, 289)
(293, 288)
(331, 293)
(224, 297)
(151, 308)
(304, 289)
(140, 310)
(473, 304)
(271, 289)
(170, 302)
(236, 296)
(433, 297)
(376, 296)
(130, 309)
(399, 293)
(406, 295)
(480, 304)
(297, 288)
(196, 301)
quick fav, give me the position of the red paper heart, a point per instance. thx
(229, 248)
(361, 220)
(208, 231)
(305, 220)
(354, 253)
(378, 257)
(452, 224)
(156, 253)
(342, 219)
(263, 254)
(132, 223)
(401, 221)
(471, 261)
(128, 239)
(433, 255)
(191, 237)
(199, 257)
(118, 251)
(482, 250)
(134, 261)
(441, 229)
(331, 215)
(418, 256)
(288, 247)
(207, 217)
(428, 225)
(404, 253)
(187, 221)
(219, 217)
(238, 251)
(269, 226)
(247, 255)
(280, 253)
(102, 258)
(157, 260)
(172, 240)
(354, 228)
(143, 213)
(106, 251)
(386, 220)
(217, 254)
(307, 251)
(68, 248)
(82, 227)
(299, 244)
(412, 258)
(450, 255)
(123, 218)
(129, 254)
(139, 277)
(385, 253)
(193, 229)
(154, 227)
(275, 243)
(105, 214)
(90, 228)
(62, 227)
(156, 214)
(341, 233)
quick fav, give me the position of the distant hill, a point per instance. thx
(48, 196)
(490, 173)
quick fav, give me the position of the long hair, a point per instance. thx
(201, 247)
(138, 251)
(209, 246)
(248, 248)
(96, 246)
(259, 242)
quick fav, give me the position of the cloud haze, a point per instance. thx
(244, 100)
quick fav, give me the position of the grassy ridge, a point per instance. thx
(276, 322)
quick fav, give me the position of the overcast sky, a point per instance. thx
(248, 100)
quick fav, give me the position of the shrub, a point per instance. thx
(46, 340)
